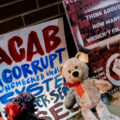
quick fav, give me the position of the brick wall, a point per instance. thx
(16, 14)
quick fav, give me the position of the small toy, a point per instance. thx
(21, 108)
(83, 90)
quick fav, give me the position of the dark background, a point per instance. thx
(17, 14)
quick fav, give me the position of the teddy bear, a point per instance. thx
(83, 90)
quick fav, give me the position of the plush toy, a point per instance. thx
(83, 90)
(21, 108)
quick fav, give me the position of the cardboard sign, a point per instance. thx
(95, 25)
(30, 60)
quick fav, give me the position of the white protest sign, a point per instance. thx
(30, 60)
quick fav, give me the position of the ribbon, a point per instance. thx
(13, 110)
(79, 88)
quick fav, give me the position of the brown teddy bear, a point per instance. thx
(83, 90)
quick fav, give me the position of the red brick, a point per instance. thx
(46, 2)
(11, 25)
(41, 14)
(17, 8)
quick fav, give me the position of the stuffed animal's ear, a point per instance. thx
(82, 56)
(61, 68)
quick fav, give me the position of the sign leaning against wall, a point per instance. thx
(30, 60)
(95, 25)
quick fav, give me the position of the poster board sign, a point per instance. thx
(30, 60)
(95, 25)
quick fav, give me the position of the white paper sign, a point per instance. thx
(30, 60)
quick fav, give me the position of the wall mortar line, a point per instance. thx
(11, 3)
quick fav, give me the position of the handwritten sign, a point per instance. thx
(30, 60)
